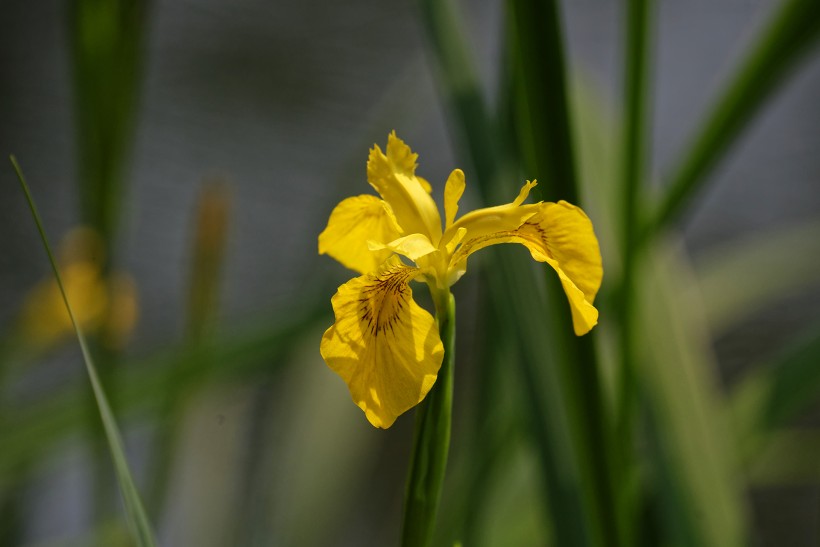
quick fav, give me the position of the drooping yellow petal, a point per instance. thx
(571, 241)
(584, 314)
(383, 345)
(393, 176)
(352, 223)
(561, 235)
(453, 190)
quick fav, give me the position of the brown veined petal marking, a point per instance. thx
(383, 345)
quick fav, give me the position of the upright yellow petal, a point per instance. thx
(393, 176)
(352, 224)
(383, 345)
(561, 235)
(453, 190)
(425, 184)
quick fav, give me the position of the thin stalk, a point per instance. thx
(431, 442)
(135, 513)
(636, 105)
(791, 33)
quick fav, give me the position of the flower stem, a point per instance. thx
(431, 441)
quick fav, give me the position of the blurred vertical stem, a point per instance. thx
(541, 96)
(431, 442)
(792, 31)
(633, 165)
(543, 127)
(107, 41)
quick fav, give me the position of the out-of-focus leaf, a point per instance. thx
(107, 42)
(789, 457)
(742, 277)
(39, 427)
(773, 394)
(541, 100)
(315, 474)
(793, 30)
(701, 495)
(460, 87)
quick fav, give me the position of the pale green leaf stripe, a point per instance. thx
(137, 519)
(775, 393)
(701, 493)
(741, 277)
(789, 457)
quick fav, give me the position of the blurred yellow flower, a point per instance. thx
(108, 307)
(386, 347)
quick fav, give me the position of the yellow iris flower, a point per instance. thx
(384, 345)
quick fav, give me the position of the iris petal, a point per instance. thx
(383, 345)
(453, 189)
(352, 223)
(561, 235)
(393, 176)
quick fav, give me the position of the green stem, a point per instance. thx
(431, 442)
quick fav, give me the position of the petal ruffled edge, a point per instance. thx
(385, 347)
(392, 175)
(561, 235)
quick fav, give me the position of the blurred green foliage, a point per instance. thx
(622, 437)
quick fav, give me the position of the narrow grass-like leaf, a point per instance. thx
(790, 34)
(134, 510)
